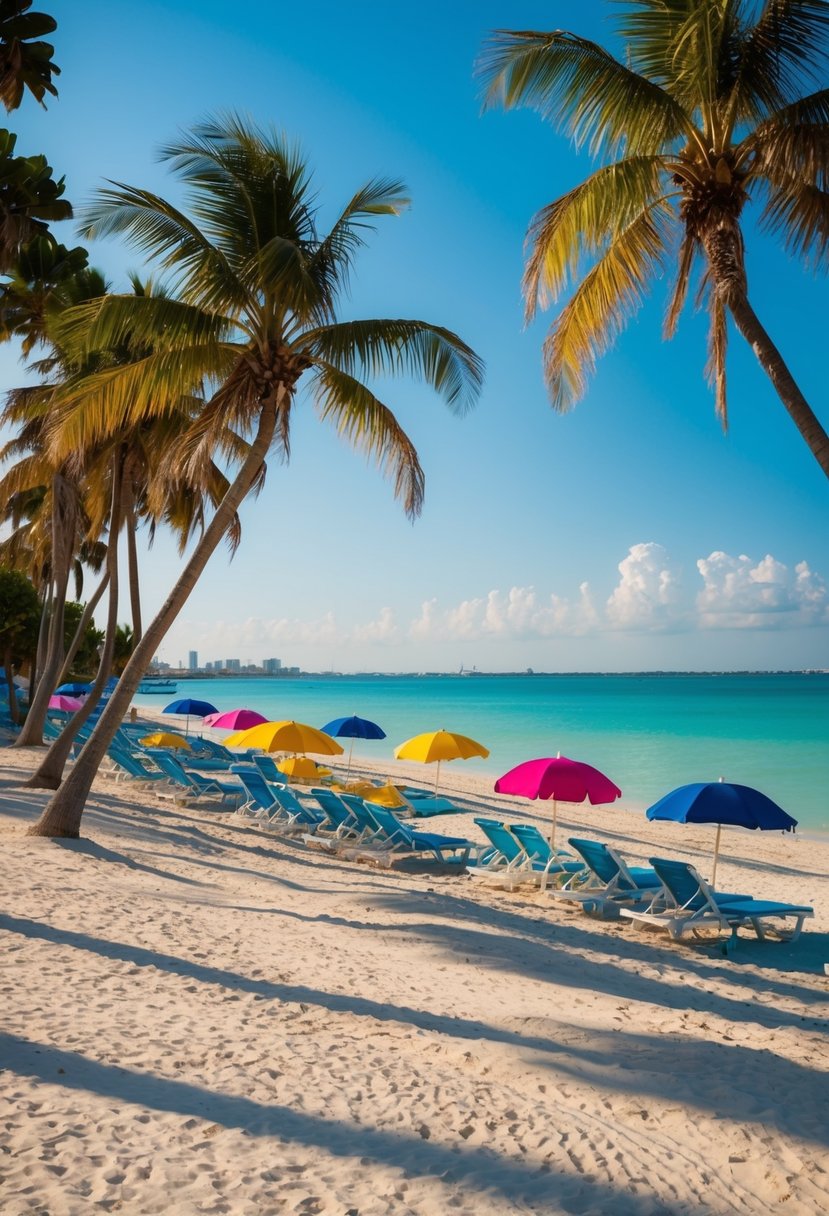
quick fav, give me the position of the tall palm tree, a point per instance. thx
(715, 104)
(256, 313)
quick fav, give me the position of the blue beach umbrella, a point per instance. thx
(353, 728)
(721, 802)
(73, 690)
(190, 707)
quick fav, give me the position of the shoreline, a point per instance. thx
(195, 1006)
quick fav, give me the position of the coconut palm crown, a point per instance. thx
(715, 104)
(255, 289)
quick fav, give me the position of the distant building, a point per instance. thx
(193, 660)
(233, 665)
(271, 667)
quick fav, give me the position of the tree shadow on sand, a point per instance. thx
(628, 1062)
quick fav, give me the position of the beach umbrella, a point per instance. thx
(721, 802)
(438, 745)
(74, 689)
(190, 708)
(163, 738)
(353, 728)
(302, 768)
(235, 719)
(68, 705)
(286, 736)
(561, 779)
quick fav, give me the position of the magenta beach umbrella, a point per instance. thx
(69, 705)
(561, 779)
(235, 719)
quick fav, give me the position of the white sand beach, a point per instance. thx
(199, 1017)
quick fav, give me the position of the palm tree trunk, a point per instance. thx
(724, 249)
(132, 559)
(14, 711)
(49, 773)
(86, 617)
(42, 639)
(64, 811)
(775, 368)
(63, 531)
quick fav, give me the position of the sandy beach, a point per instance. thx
(201, 1017)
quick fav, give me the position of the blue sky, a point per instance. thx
(628, 534)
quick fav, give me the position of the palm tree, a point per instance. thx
(713, 105)
(256, 312)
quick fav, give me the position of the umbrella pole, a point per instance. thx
(437, 778)
(553, 824)
(716, 855)
(348, 770)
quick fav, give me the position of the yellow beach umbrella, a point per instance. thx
(163, 738)
(286, 736)
(438, 745)
(302, 768)
(382, 795)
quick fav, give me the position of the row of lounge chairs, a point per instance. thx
(667, 895)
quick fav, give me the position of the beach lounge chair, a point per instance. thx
(193, 783)
(341, 827)
(394, 838)
(688, 905)
(508, 863)
(128, 765)
(260, 802)
(556, 862)
(607, 882)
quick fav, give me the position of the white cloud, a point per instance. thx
(647, 594)
(382, 630)
(517, 614)
(737, 594)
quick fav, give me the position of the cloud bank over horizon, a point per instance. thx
(652, 597)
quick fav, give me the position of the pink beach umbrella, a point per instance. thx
(560, 779)
(235, 719)
(69, 705)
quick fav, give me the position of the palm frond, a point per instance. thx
(717, 347)
(799, 216)
(92, 408)
(428, 352)
(580, 223)
(601, 305)
(785, 51)
(371, 427)
(332, 261)
(582, 89)
(688, 250)
(793, 142)
(169, 237)
(158, 322)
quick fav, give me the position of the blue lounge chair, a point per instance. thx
(689, 905)
(260, 802)
(508, 863)
(340, 826)
(555, 862)
(192, 782)
(607, 882)
(128, 765)
(395, 837)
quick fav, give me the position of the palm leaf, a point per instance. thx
(601, 305)
(371, 427)
(374, 348)
(580, 223)
(582, 89)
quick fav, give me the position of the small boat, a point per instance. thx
(157, 684)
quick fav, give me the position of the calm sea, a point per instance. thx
(648, 733)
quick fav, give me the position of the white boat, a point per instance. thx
(157, 684)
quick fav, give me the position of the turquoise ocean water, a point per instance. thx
(648, 733)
